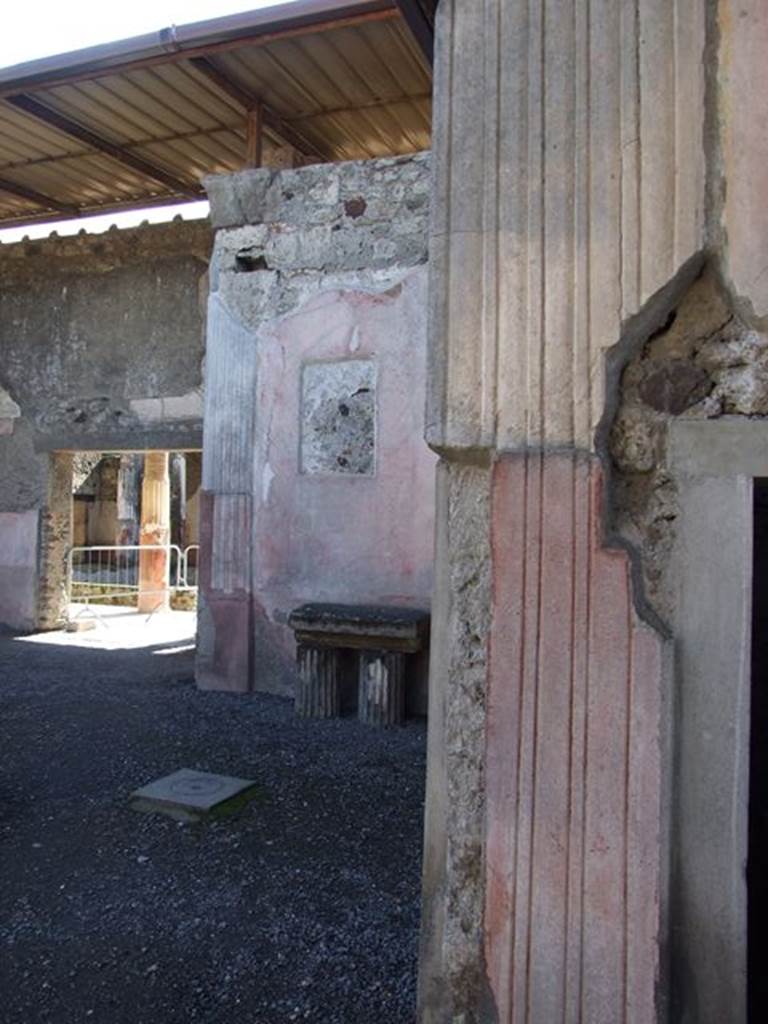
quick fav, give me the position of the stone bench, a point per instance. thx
(382, 637)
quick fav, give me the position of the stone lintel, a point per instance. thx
(375, 627)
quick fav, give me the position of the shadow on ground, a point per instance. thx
(304, 907)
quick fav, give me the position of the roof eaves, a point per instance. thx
(179, 39)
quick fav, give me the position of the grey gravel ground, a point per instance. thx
(303, 907)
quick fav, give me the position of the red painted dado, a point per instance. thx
(226, 661)
(573, 758)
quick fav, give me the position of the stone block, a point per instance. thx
(237, 198)
(189, 795)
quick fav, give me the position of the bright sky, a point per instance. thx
(44, 27)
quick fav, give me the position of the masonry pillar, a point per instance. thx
(128, 499)
(564, 225)
(225, 636)
(155, 529)
(178, 473)
(194, 477)
(55, 542)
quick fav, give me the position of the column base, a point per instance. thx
(318, 694)
(381, 688)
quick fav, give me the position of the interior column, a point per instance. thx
(128, 493)
(155, 530)
(194, 476)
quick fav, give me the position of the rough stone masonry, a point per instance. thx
(704, 363)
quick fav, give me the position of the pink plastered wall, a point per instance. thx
(574, 741)
(343, 537)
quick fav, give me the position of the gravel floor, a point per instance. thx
(303, 907)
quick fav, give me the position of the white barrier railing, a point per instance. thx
(190, 559)
(107, 572)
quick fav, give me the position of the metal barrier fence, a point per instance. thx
(110, 572)
(190, 559)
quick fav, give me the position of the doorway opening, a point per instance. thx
(121, 546)
(135, 532)
(757, 864)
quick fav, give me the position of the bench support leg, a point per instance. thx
(318, 692)
(381, 688)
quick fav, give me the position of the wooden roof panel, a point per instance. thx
(16, 210)
(141, 121)
(32, 140)
(91, 179)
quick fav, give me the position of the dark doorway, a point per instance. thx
(757, 868)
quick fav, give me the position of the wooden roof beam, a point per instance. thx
(254, 136)
(248, 102)
(419, 16)
(30, 194)
(392, 101)
(34, 108)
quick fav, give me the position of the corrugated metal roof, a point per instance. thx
(142, 121)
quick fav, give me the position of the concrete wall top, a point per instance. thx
(364, 191)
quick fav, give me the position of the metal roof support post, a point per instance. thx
(254, 135)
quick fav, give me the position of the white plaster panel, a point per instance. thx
(18, 568)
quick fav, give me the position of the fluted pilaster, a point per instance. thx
(318, 694)
(569, 178)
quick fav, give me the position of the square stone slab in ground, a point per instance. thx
(188, 795)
